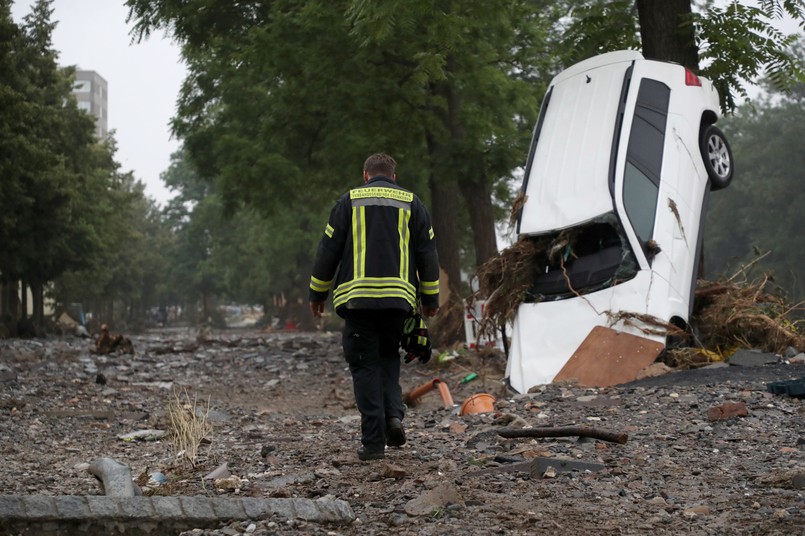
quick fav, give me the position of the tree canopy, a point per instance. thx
(285, 99)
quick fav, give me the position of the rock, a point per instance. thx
(752, 358)
(432, 500)
(653, 370)
(222, 471)
(727, 410)
(394, 471)
(228, 483)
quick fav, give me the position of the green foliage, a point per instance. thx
(599, 26)
(48, 140)
(737, 44)
(284, 101)
(761, 212)
(69, 217)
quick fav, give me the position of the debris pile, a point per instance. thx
(745, 315)
(505, 281)
(108, 343)
(728, 315)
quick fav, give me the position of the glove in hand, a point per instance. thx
(415, 339)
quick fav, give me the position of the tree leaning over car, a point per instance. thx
(732, 45)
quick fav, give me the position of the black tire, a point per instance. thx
(717, 156)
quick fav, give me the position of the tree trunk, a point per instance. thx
(442, 191)
(38, 297)
(205, 305)
(666, 32)
(477, 193)
(23, 300)
(449, 327)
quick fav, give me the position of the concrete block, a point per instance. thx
(135, 508)
(254, 508)
(335, 511)
(198, 507)
(71, 507)
(229, 509)
(11, 507)
(281, 507)
(103, 507)
(306, 509)
(39, 507)
(167, 507)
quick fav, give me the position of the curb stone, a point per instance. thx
(100, 515)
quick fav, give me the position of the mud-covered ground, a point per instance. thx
(284, 423)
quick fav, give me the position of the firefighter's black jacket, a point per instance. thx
(380, 241)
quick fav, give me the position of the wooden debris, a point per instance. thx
(565, 431)
(107, 343)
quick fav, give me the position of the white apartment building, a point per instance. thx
(91, 91)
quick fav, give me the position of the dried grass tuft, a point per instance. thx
(189, 425)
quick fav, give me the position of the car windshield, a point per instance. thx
(582, 259)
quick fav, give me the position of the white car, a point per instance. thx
(623, 157)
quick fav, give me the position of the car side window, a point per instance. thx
(640, 199)
(641, 182)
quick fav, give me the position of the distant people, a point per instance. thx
(378, 256)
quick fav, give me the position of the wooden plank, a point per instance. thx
(608, 357)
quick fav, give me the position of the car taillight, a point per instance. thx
(691, 79)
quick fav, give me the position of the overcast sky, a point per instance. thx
(144, 80)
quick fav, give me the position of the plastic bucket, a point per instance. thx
(480, 403)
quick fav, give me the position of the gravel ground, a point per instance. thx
(284, 423)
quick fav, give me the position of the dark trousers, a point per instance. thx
(371, 342)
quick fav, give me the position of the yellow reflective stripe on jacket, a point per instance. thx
(405, 239)
(379, 191)
(320, 286)
(376, 282)
(375, 287)
(329, 230)
(359, 241)
(430, 233)
(429, 287)
(340, 298)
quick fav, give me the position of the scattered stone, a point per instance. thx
(143, 435)
(228, 483)
(394, 471)
(753, 358)
(432, 500)
(222, 471)
(652, 371)
(727, 410)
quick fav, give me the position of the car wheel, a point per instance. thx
(717, 156)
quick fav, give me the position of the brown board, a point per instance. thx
(608, 357)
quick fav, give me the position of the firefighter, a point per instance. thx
(378, 257)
